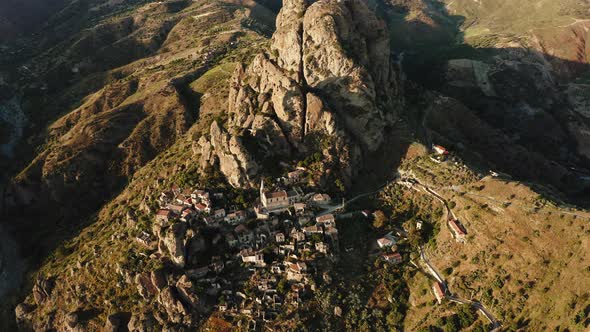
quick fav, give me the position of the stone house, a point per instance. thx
(296, 271)
(438, 291)
(176, 208)
(327, 220)
(200, 194)
(235, 217)
(231, 240)
(251, 256)
(297, 235)
(202, 208)
(299, 208)
(187, 215)
(312, 230)
(321, 199)
(393, 258)
(441, 150)
(286, 249)
(188, 202)
(332, 234)
(219, 214)
(274, 201)
(387, 241)
(321, 247)
(458, 231)
(164, 216)
(245, 235)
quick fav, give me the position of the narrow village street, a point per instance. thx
(332, 208)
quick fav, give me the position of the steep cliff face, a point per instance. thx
(522, 92)
(329, 84)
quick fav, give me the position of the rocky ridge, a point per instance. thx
(329, 84)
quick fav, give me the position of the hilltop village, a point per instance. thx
(212, 254)
(259, 262)
(253, 263)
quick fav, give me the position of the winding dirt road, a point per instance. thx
(430, 268)
(434, 273)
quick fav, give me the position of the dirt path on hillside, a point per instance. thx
(434, 272)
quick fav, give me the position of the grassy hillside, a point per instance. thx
(524, 258)
(108, 232)
(142, 106)
(518, 18)
(106, 119)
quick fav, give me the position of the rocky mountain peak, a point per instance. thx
(330, 61)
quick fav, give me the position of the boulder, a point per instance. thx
(23, 314)
(186, 293)
(113, 323)
(168, 299)
(145, 287)
(158, 279)
(42, 289)
(142, 322)
(71, 322)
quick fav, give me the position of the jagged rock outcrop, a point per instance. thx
(142, 322)
(174, 242)
(23, 313)
(113, 323)
(186, 293)
(169, 300)
(287, 41)
(234, 160)
(322, 125)
(42, 289)
(329, 77)
(158, 279)
(72, 322)
(145, 286)
(347, 58)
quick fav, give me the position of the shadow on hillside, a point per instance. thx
(527, 129)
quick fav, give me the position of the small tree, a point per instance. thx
(340, 185)
(394, 319)
(379, 219)
(282, 286)
(451, 324)
(466, 316)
